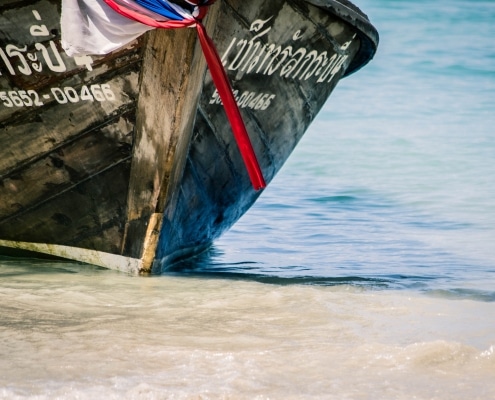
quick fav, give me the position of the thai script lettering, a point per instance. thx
(291, 62)
(26, 61)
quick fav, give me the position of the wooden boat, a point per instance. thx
(127, 160)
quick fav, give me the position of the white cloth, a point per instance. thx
(92, 27)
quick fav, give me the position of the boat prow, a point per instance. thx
(128, 160)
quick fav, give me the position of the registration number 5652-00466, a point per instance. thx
(64, 95)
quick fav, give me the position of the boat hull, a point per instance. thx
(128, 160)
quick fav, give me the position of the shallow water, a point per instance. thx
(366, 270)
(91, 333)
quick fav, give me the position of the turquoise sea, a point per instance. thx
(395, 181)
(365, 271)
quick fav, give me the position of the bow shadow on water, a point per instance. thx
(207, 265)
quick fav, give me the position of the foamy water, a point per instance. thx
(68, 333)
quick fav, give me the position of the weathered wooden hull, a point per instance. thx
(128, 161)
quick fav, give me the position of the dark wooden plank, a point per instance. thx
(42, 131)
(62, 170)
(47, 97)
(90, 215)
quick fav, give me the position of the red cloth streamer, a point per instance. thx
(220, 80)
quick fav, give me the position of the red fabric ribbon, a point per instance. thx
(220, 80)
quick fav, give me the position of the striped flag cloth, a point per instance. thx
(141, 15)
(172, 15)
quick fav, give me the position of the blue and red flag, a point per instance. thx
(168, 15)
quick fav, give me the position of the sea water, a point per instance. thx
(365, 271)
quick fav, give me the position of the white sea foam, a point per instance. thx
(102, 334)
